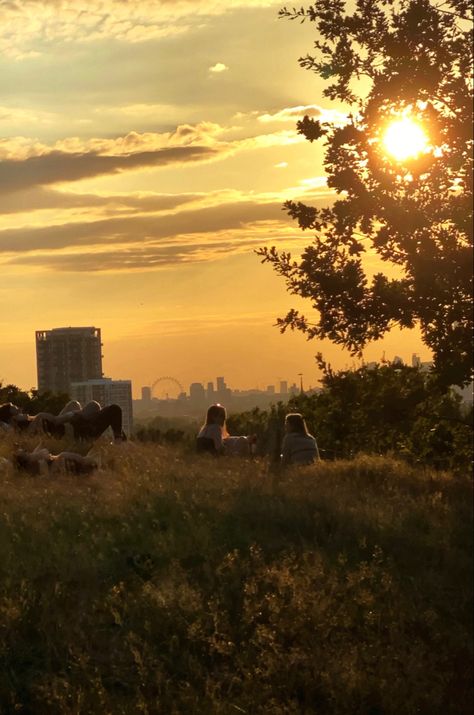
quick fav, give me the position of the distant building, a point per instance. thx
(294, 390)
(283, 387)
(197, 393)
(415, 360)
(67, 355)
(271, 389)
(223, 393)
(146, 394)
(107, 392)
(210, 391)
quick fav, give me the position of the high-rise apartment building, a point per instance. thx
(283, 387)
(107, 392)
(146, 393)
(67, 355)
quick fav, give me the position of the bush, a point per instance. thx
(387, 409)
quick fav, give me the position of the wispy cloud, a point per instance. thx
(58, 167)
(188, 229)
(25, 163)
(22, 115)
(26, 26)
(292, 114)
(40, 199)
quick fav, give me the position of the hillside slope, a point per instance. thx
(169, 584)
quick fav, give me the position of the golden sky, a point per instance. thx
(146, 147)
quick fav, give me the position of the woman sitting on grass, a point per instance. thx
(298, 446)
(213, 435)
(41, 461)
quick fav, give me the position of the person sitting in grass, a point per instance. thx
(83, 423)
(298, 446)
(214, 437)
(41, 462)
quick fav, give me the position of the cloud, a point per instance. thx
(27, 26)
(47, 199)
(218, 68)
(25, 163)
(141, 111)
(21, 115)
(57, 167)
(203, 133)
(292, 114)
(186, 233)
(122, 230)
(147, 257)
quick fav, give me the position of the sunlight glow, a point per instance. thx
(405, 139)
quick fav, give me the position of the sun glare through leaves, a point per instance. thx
(405, 139)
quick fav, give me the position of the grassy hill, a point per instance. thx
(171, 584)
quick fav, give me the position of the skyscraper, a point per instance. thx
(66, 355)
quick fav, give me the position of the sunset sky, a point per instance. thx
(146, 147)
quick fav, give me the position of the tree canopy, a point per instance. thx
(389, 59)
(33, 401)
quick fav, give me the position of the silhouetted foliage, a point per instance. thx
(389, 409)
(386, 409)
(415, 214)
(33, 402)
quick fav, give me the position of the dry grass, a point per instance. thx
(172, 584)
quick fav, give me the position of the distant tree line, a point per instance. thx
(163, 430)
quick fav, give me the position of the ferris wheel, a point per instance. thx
(166, 382)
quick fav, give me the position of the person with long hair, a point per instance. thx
(298, 446)
(214, 437)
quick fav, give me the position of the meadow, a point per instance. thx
(172, 584)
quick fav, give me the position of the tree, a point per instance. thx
(411, 57)
(33, 402)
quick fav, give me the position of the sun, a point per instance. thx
(405, 139)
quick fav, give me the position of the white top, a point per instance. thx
(299, 448)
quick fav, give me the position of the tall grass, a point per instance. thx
(171, 584)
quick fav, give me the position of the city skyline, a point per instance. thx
(310, 378)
